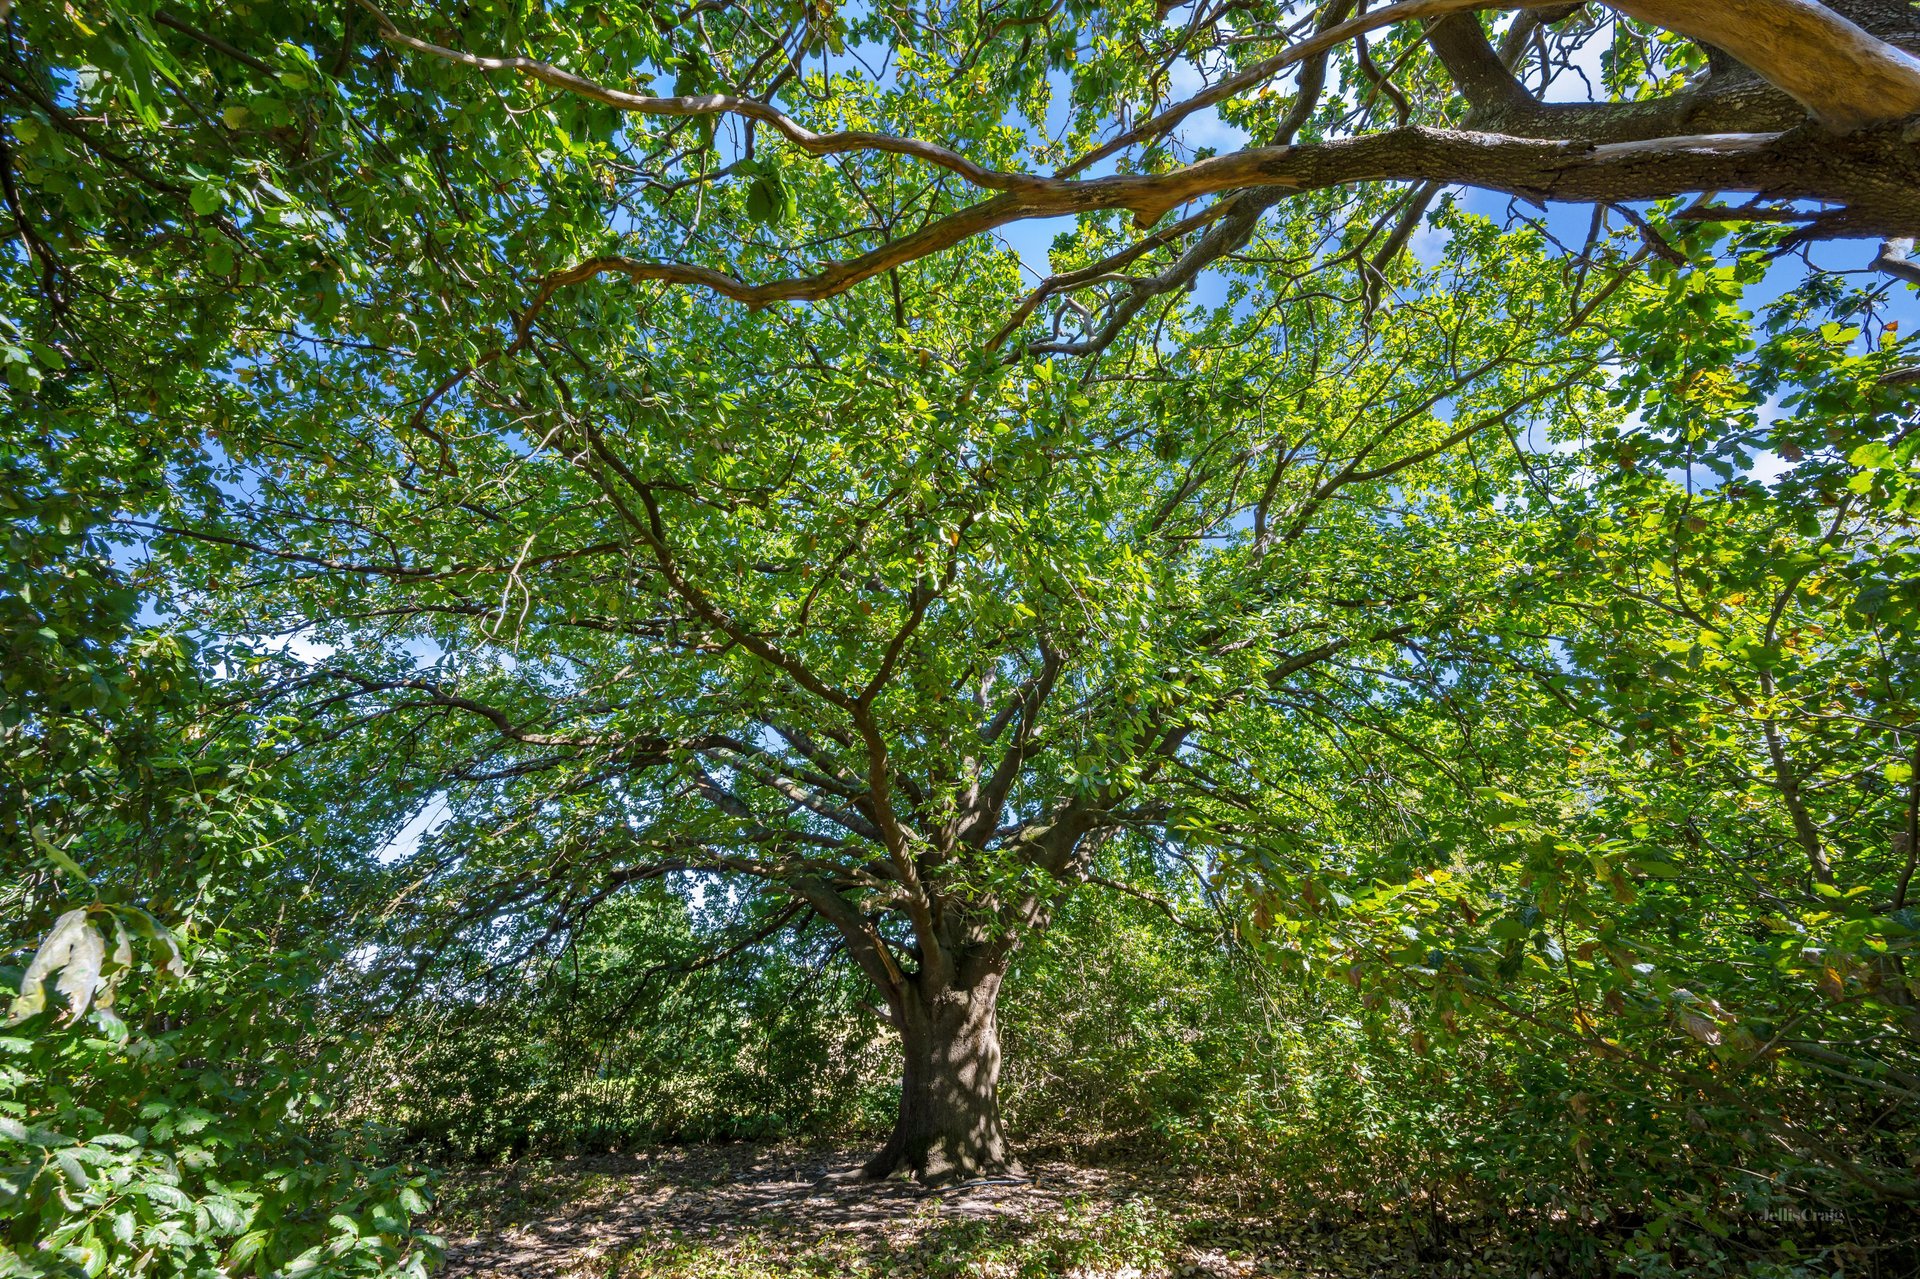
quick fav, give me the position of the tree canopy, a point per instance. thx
(656, 434)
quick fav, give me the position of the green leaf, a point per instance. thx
(54, 855)
(74, 950)
(227, 1216)
(768, 200)
(247, 1247)
(162, 1193)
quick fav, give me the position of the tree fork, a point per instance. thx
(1845, 76)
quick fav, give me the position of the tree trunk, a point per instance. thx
(949, 1124)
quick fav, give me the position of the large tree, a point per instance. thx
(813, 606)
(880, 611)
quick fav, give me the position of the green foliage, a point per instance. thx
(190, 1134)
(164, 1076)
(1422, 619)
(163, 1108)
(1343, 1101)
(1679, 896)
(619, 1045)
(1129, 1032)
(1131, 1237)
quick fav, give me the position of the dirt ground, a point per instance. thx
(766, 1212)
(741, 1211)
(565, 1218)
(774, 1208)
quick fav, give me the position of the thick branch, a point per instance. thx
(1874, 174)
(1896, 259)
(803, 796)
(1260, 72)
(980, 807)
(1483, 79)
(1842, 74)
(865, 945)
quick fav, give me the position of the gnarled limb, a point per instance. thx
(1874, 175)
(1844, 76)
(1848, 77)
(1730, 100)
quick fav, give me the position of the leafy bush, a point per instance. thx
(183, 1131)
(1322, 1098)
(618, 1044)
(164, 1071)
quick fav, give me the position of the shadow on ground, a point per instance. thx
(596, 1214)
(775, 1212)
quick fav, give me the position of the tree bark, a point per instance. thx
(1843, 74)
(949, 1125)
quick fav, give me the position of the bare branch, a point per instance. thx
(1478, 71)
(707, 104)
(652, 749)
(1896, 259)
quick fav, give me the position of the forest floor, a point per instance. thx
(772, 1212)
